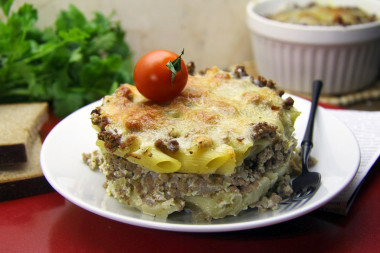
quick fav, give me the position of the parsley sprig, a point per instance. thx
(69, 65)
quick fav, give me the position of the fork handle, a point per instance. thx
(305, 153)
(308, 137)
(307, 142)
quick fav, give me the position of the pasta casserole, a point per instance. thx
(224, 144)
(319, 15)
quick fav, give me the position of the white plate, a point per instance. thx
(335, 147)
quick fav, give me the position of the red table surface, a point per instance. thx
(50, 223)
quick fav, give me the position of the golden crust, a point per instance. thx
(213, 110)
(315, 14)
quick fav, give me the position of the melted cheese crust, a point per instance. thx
(315, 14)
(215, 115)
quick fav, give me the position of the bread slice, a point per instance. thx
(24, 179)
(19, 126)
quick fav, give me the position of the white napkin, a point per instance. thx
(365, 125)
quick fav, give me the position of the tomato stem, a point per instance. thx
(175, 66)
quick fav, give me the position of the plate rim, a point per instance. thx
(202, 228)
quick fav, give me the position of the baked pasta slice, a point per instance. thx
(320, 15)
(221, 146)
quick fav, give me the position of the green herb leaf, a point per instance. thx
(175, 66)
(6, 6)
(73, 35)
(69, 65)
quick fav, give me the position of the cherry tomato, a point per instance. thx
(153, 78)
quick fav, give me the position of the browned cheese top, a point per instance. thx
(218, 112)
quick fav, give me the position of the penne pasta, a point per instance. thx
(223, 204)
(205, 161)
(119, 152)
(155, 160)
(259, 146)
(243, 151)
(227, 168)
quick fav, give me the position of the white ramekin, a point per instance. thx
(346, 58)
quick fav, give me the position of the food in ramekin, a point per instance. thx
(323, 15)
(345, 57)
(224, 144)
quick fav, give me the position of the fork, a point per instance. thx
(306, 184)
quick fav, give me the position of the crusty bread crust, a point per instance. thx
(24, 179)
(19, 126)
(21, 171)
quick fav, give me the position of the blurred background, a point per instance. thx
(212, 32)
(198, 26)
